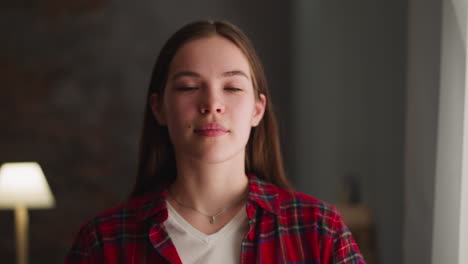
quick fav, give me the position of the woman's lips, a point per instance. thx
(211, 130)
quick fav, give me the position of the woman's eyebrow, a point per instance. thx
(185, 73)
(197, 75)
(235, 73)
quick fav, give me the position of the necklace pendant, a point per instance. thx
(212, 220)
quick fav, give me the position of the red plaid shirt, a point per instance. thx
(285, 227)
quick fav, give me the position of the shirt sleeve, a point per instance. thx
(345, 249)
(86, 248)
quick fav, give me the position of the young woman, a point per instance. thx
(210, 186)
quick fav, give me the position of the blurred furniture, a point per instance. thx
(360, 221)
(22, 186)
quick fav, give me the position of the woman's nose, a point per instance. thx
(211, 104)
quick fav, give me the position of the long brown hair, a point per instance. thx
(157, 166)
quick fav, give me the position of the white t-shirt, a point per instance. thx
(194, 246)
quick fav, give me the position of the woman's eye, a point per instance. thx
(232, 89)
(186, 88)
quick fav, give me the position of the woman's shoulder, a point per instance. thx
(289, 203)
(122, 223)
(309, 206)
(133, 211)
(300, 212)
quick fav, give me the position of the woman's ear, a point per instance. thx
(157, 109)
(259, 110)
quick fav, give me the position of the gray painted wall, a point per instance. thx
(422, 98)
(348, 106)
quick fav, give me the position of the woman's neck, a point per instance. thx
(209, 188)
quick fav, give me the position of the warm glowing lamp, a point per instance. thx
(22, 186)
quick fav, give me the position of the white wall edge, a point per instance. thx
(463, 227)
(449, 239)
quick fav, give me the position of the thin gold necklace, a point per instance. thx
(211, 217)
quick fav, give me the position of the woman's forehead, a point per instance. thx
(214, 55)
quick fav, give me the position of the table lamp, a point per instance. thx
(22, 186)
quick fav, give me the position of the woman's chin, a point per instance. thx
(216, 156)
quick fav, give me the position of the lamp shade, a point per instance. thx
(24, 183)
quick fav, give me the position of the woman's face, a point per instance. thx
(209, 105)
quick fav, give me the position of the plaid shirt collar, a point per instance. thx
(261, 193)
